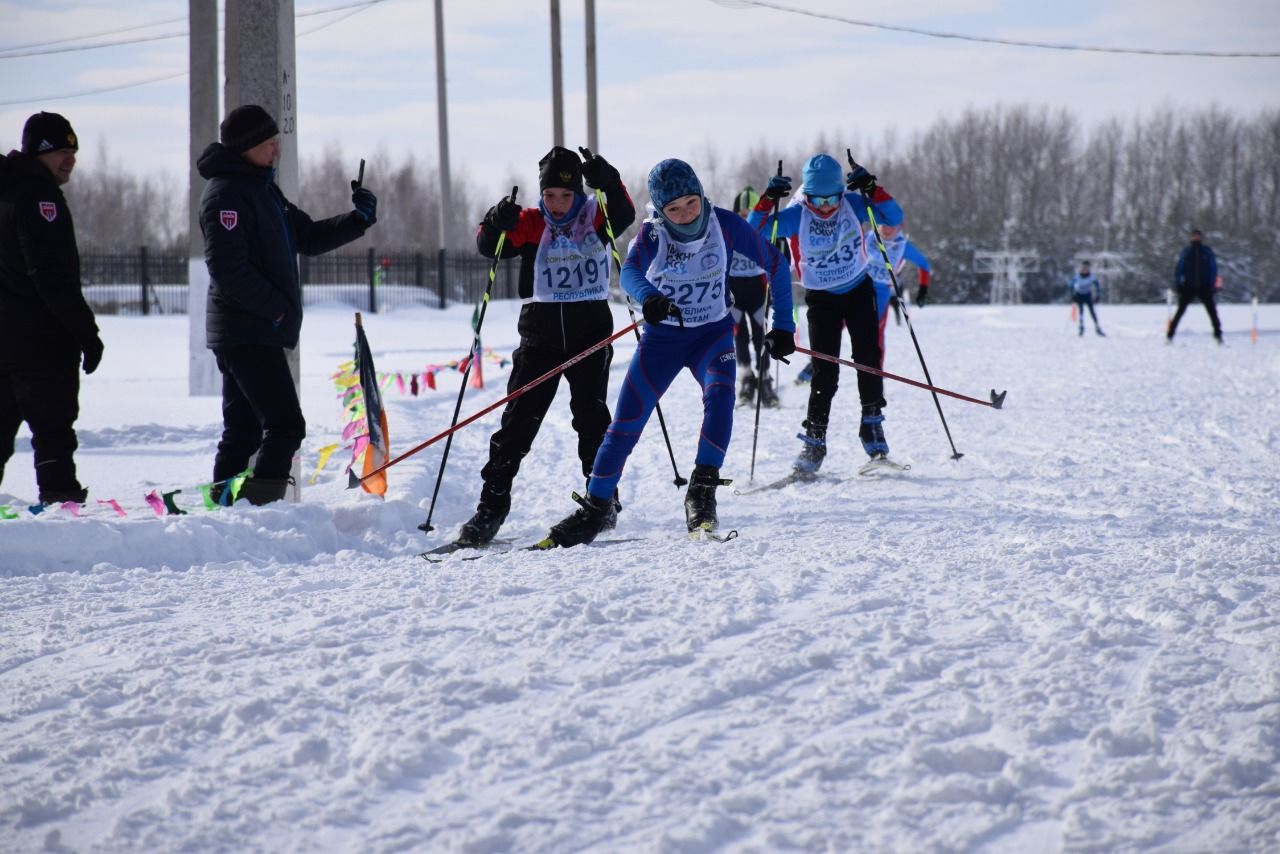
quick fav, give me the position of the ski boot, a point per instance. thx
(872, 433)
(584, 524)
(814, 450)
(490, 513)
(615, 506)
(78, 494)
(747, 389)
(700, 499)
(805, 375)
(768, 395)
(1101, 334)
(263, 490)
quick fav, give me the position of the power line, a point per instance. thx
(15, 47)
(739, 4)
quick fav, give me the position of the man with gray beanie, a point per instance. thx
(252, 237)
(46, 327)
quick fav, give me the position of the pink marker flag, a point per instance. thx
(72, 507)
(114, 505)
(156, 502)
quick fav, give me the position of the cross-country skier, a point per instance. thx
(1196, 277)
(1085, 288)
(833, 255)
(564, 280)
(678, 270)
(747, 284)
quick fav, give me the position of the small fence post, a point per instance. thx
(440, 277)
(417, 270)
(373, 293)
(142, 276)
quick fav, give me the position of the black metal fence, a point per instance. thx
(147, 282)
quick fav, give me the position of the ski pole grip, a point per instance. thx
(779, 168)
(848, 152)
(514, 190)
(360, 176)
(585, 152)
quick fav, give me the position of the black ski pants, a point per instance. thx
(47, 397)
(588, 389)
(828, 315)
(261, 413)
(1205, 295)
(748, 317)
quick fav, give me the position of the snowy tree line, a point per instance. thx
(1031, 176)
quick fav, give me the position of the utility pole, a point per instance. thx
(202, 123)
(593, 140)
(442, 131)
(557, 84)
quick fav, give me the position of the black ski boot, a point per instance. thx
(747, 389)
(700, 499)
(768, 396)
(490, 513)
(584, 524)
(78, 494)
(615, 507)
(872, 433)
(814, 450)
(263, 490)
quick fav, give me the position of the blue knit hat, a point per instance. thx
(670, 180)
(822, 176)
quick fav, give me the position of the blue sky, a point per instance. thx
(676, 77)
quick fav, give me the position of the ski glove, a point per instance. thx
(780, 342)
(92, 355)
(600, 174)
(860, 180)
(657, 308)
(503, 216)
(365, 203)
(922, 294)
(779, 186)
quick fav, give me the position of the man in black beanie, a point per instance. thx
(46, 327)
(254, 309)
(564, 280)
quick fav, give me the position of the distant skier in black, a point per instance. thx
(747, 283)
(1196, 277)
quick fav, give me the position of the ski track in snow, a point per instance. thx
(1067, 641)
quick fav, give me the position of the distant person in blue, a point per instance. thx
(678, 270)
(832, 255)
(1196, 277)
(900, 250)
(1085, 288)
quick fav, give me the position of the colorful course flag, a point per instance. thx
(378, 449)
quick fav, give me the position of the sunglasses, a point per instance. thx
(823, 201)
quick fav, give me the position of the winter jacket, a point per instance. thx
(252, 237)
(567, 327)
(1197, 269)
(43, 313)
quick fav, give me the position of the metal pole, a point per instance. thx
(202, 64)
(442, 125)
(592, 116)
(557, 84)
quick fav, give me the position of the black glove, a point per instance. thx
(922, 294)
(657, 308)
(600, 174)
(92, 355)
(503, 216)
(860, 180)
(779, 186)
(780, 342)
(365, 203)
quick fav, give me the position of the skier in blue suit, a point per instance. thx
(833, 258)
(678, 269)
(1085, 288)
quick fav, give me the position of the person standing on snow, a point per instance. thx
(1085, 288)
(747, 284)
(678, 270)
(564, 279)
(45, 324)
(1196, 277)
(833, 258)
(252, 237)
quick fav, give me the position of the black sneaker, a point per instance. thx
(584, 524)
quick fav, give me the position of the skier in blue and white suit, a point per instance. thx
(833, 258)
(677, 269)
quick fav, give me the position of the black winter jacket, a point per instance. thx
(43, 313)
(252, 237)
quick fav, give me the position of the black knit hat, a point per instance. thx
(244, 127)
(45, 132)
(560, 168)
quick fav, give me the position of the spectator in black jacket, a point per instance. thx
(564, 279)
(252, 235)
(46, 327)
(1196, 277)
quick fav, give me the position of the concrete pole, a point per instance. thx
(202, 63)
(260, 65)
(593, 137)
(557, 84)
(442, 129)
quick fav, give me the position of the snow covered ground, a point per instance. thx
(1067, 641)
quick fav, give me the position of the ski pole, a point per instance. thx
(466, 372)
(884, 255)
(996, 401)
(768, 291)
(353, 481)
(617, 260)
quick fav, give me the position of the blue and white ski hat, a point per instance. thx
(822, 176)
(670, 180)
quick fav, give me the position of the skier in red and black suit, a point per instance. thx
(564, 281)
